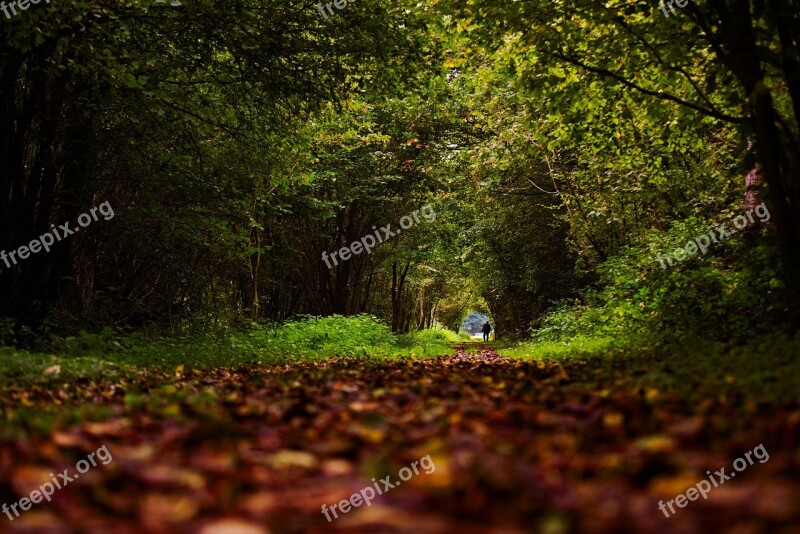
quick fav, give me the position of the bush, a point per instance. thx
(333, 335)
(733, 291)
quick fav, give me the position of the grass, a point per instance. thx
(110, 356)
(577, 347)
(764, 369)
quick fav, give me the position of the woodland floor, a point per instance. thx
(518, 446)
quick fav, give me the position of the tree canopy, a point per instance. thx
(239, 141)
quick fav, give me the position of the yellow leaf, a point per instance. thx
(289, 458)
(674, 485)
(656, 444)
(613, 420)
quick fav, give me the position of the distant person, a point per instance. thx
(487, 328)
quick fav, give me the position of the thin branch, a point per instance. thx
(658, 94)
(660, 59)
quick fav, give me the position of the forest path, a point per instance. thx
(495, 444)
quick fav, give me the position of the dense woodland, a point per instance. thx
(562, 145)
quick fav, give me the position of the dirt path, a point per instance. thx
(500, 446)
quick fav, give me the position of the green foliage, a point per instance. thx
(322, 336)
(200, 122)
(557, 142)
(338, 336)
(734, 290)
(7, 335)
(433, 337)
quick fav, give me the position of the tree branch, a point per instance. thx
(658, 94)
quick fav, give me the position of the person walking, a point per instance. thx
(487, 328)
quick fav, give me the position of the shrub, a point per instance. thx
(734, 290)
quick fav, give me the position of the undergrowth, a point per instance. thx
(108, 354)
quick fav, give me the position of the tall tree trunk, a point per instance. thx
(398, 282)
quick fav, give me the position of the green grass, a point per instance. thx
(763, 369)
(577, 347)
(27, 368)
(107, 355)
